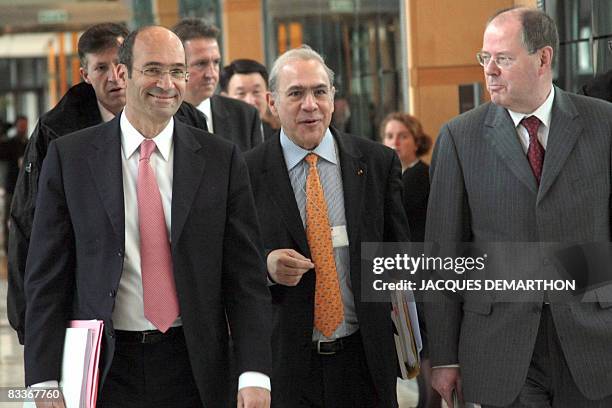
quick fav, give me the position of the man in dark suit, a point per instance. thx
(341, 352)
(96, 100)
(112, 198)
(531, 166)
(231, 119)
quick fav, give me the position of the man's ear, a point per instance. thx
(121, 73)
(547, 57)
(84, 75)
(271, 103)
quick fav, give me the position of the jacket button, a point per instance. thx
(119, 254)
(112, 293)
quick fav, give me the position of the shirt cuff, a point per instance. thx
(254, 379)
(447, 366)
(46, 384)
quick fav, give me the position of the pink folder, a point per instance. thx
(97, 329)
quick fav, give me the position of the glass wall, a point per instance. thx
(585, 29)
(361, 42)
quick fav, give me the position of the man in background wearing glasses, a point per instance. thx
(531, 166)
(233, 120)
(150, 225)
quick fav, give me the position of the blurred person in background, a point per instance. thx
(234, 120)
(11, 152)
(404, 133)
(247, 80)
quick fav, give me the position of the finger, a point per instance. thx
(292, 272)
(297, 263)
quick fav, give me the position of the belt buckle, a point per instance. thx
(324, 353)
(144, 335)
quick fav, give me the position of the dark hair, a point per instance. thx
(539, 29)
(190, 28)
(241, 66)
(421, 139)
(100, 37)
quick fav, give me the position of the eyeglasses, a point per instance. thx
(501, 60)
(158, 73)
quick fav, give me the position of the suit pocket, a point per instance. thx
(482, 308)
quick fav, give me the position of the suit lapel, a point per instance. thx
(105, 167)
(562, 137)
(500, 132)
(188, 166)
(354, 173)
(281, 193)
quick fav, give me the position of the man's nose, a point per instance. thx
(491, 68)
(165, 81)
(112, 73)
(309, 102)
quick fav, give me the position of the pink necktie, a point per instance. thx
(535, 152)
(160, 301)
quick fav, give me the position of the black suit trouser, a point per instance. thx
(341, 380)
(150, 375)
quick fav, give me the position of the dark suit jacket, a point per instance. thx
(483, 190)
(76, 257)
(415, 181)
(78, 109)
(236, 121)
(599, 87)
(372, 199)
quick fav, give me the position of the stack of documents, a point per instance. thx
(80, 363)
(408, 342)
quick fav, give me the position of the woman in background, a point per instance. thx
(404, 134)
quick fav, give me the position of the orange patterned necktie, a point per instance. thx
(329, 311)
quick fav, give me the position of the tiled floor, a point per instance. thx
(11, 359)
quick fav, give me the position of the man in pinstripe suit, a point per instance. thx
(496, 178)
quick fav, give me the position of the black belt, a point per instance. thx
(328, 348)
(147, 336)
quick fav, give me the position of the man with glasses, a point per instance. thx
(234, 120)
(150, 225)
(531, 166)
(94, 101)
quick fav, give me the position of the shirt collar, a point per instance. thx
(295, 154)
(105, 113)
(543, 112)
(132, 138)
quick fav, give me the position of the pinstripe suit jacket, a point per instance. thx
(483, 190)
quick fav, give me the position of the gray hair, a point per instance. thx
(304, 53)
(538, 29)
